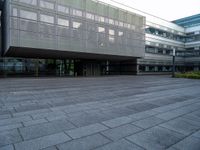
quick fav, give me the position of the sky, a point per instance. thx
(167, 9)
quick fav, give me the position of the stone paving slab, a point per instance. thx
(103, 113)
(43, 142)
(120, 145)
(156, 138)
(85, 143)
(87, 130)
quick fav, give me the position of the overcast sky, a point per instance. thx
(166, 9)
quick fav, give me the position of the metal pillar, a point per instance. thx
(174, 67)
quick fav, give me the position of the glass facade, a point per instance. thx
(165, 34)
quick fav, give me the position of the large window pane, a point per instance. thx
(63, 9)
(31, 2)
(28, 15)
(77, 12)
(63, 22)
(46, 18)
(47, 5)
(101, 29)
(14, 12)
(89, 16)
(76, 25)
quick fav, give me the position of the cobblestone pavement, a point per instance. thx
(102, 113)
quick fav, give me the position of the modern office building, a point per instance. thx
(91, 38)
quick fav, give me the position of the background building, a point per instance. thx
(89, 38)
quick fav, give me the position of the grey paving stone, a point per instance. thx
(171, 148)
(6, 116)
(32, 112)
(87, 119)
(156, 138)
(8, 147)
(85, 131)
(192, 117)
(148, 122)
(43, 142)
(180, 125)
(34, 122)
(85, 143)
(40, 130)
(10, 127)
(190, 143)
(9, 137)
(14, 120)
(196, 134)
(142, 115)
(120, 145)
(120, 132)
(142, 106)
(117, 121)
(178, 112)
(48, 114)
(50, 148)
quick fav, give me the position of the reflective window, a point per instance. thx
(47, 5)
(46, 18)
(31, 2)
(120, 33)
(101, 29)
(14, 12)
(111, 21)
(77, 13)
(100, 18)
(63, 22)
(116, 23)
(111, 39)
(89, 16)
(63, 9)
(76, 25)
(111, 32)
(28, 15)
(121, 24)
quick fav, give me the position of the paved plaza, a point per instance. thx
(102, 113)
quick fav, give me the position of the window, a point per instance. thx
(101, 29)
(116, 23)
(28, 15)
(47, 5)
(133, 27)
(63, 22)
(63, 9)
(14, 12)
(76, 25)
(46, 18)
(100, 19)
(77, 13)
(31, 2)
(121, 24)
(111, 21)
(111, 39)
(89, 16)
(111, 32)
(120, 33)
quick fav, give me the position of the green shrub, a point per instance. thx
(190, 75)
